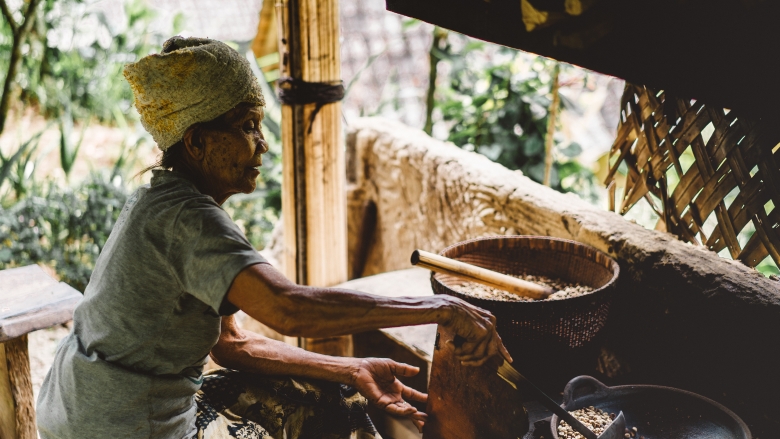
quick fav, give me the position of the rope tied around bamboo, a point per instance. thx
(293, 91)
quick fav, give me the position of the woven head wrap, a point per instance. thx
(192, 80)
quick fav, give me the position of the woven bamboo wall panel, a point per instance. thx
(734, 174)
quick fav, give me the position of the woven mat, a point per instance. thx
(734, 174)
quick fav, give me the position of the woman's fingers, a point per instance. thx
(419, 424)
(420, 416)
(477, 328)
(502, 349)
(476, 345)
(402, 408)
(404, 370)
(483, 348)
(466, 348)
(479, 357)
(413, 395)
(470, 354)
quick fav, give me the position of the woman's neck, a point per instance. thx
(201, 182)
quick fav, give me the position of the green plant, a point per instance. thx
(21, 177)
(86, 79)
(61, 68)
(68, 149)
(9, 165)
(61, 227)
(496, 102)
(254, 215)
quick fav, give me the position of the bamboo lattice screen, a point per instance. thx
(708, 174)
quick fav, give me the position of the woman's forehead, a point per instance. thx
(243, 110)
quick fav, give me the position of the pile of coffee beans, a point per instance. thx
(564, 290)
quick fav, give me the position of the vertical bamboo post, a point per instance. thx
(314, 170)
(439, 35)
(552, 115)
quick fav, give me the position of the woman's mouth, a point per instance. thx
(254, 170)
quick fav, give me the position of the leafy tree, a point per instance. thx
(18, 28)
(77, 73)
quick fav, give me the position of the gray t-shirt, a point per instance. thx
(150, 315)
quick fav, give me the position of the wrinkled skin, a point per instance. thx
(224, 160)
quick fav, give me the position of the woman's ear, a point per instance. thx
(193, 143)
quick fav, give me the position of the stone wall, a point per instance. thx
(683, 316)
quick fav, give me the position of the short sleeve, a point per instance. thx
(209, 252)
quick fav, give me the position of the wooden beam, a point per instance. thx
(17, 407)
(266, 40)
(314, 176)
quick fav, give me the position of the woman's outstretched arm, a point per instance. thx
(266, 295)
(374, 378)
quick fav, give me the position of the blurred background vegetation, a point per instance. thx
(481, 97)
(503, 110)
(72, 79)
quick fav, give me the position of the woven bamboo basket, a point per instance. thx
(558, 325)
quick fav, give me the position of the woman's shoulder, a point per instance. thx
(170, 191)
(170, 206)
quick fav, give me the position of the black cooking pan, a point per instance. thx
(657, 412)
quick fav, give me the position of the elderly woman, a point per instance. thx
(176, 268)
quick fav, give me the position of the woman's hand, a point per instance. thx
(375, 379)
(477, 339)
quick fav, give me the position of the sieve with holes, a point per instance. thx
(565, 324)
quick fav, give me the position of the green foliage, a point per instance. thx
(497, 103)
(68, 149)
(72, 74)
(254, 215)
(62, 227)
(74, 58)
(16, 165)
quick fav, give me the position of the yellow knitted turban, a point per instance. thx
(192, 80)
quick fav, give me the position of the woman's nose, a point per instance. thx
(263, 145)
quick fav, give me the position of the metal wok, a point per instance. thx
(657, 412)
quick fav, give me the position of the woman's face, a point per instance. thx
(232, 153)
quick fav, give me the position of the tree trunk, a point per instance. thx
(20, 33)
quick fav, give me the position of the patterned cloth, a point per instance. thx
(234, 404)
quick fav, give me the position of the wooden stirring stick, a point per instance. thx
(472, 273)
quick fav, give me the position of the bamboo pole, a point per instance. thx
(314, 170)
(552, 115)
(439, 35)
(266, 40)
(473, 273)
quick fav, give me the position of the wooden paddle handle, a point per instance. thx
(472, 273)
